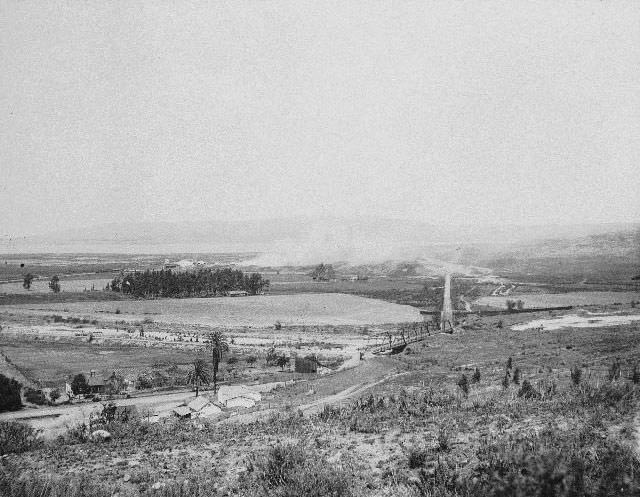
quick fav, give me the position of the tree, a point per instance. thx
(10, 399)
(219, 345)
(323, 272)
(54, 284)
(54, 394)
(79, 385)
(199, 374)
(26, 283)
(282, 361)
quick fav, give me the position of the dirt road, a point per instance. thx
(56, 420)
(447, 309)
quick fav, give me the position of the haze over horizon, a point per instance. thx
(481, 114)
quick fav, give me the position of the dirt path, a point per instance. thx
(317, 405)
(56, 420)
(10, 371)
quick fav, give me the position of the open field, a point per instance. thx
(56, 362)
(262, 310)
(562, 299)
(66, 285)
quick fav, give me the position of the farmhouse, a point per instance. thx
(97, 384)
(238, 396)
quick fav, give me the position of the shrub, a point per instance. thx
(232, 360)
(17, 437)
(576, 375)
(10, 399)
(476, 376)
(527, 391)
(251, 359)
(505, 381)
(516, 376)
(443, 439)
(293, 470)
(509, 363)
(614, 370)
(635, 375)
(417, 456)
(463, 384)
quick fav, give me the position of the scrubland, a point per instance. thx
(486, 411)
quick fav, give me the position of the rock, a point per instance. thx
(158, 485)
(127, 477)
(100, 436)
(334, 458)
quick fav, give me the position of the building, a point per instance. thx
(237, 293)
(97, 384)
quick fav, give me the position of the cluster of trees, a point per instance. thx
(54, 282)
(323, 272)
(202, 283)
(514, 304)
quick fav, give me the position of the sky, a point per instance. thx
(442, 112)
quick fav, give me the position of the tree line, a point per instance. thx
(201, 283)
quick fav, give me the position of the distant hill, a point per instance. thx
(306, 240)
(612, 256)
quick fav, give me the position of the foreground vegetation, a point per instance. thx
(486, 412)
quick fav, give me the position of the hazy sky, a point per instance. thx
(465, 112)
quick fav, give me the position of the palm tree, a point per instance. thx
(199, 374)
(219, 345)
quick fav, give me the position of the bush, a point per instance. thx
(476, 376)
(516, 376)
(614, 370)
(443, 439)
(417, 457)
(293, 470)
(505, 381)
(527, 391)
(17, 437)
(251, 359)
(10, 399)
(463, 384)
(576, 375)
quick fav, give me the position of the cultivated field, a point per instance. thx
(562, 299)
(66, 285)
(262, 310)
